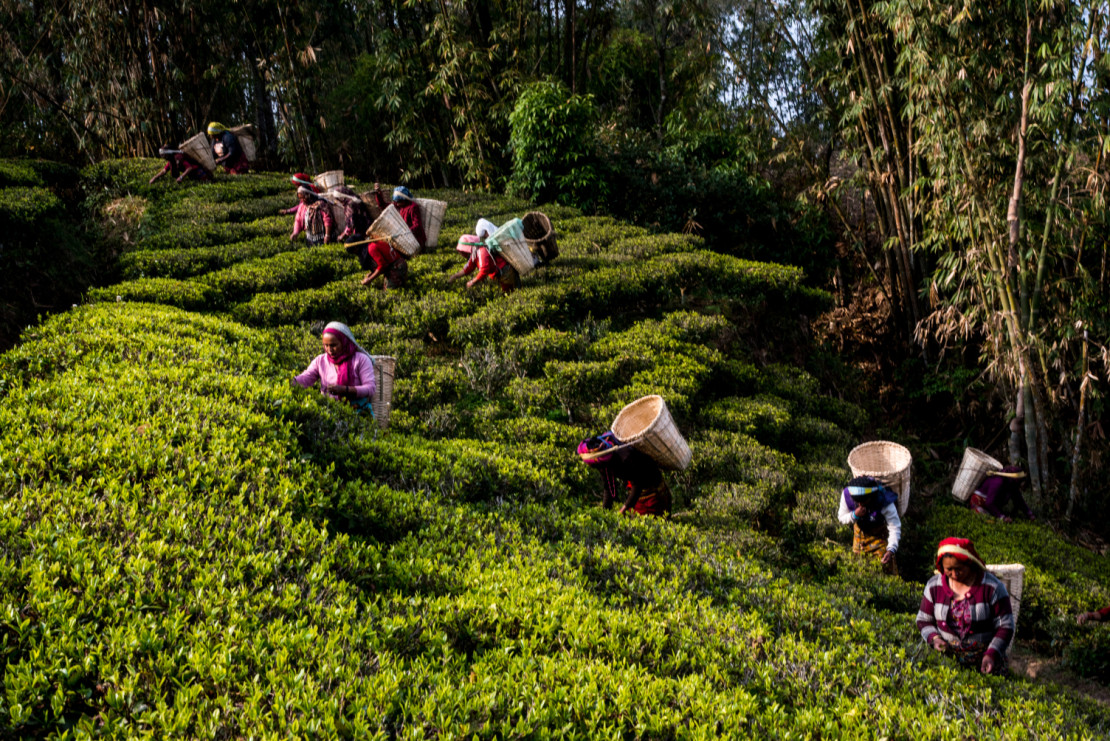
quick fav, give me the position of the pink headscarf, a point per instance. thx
(346, 338)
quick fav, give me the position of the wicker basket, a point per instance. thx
(371, 202)
(509, 241)
(888, 462)
(1013, 576)
(431, 213)
(390, 227)
(246, 140)
(338, 214)
(328, 180)
(384, 372)
(647, 424)
(973, 469)
(540, 236)
(200, 149)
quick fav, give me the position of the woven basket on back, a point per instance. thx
(973, 469)
(328, 180)
(390, 227)
(888, 462)
(246, 140)
(540, 236)
(431, 213)
(200, 149)
(647, 424)
(509, 241)
(338, 214)
(371, 202)
(384, 372)
(1013, 576)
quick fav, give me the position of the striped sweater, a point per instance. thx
(992, 618)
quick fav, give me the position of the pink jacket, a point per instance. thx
(361, 374)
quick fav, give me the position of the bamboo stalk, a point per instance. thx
(1081, 423)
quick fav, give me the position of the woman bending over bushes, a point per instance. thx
(647, 492)
(313, 218)
(871, 509)
(494, 267)
(344, 369)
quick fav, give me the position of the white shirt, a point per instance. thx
(890, 514)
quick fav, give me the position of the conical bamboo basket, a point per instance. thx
(246, 140)
(431, 213)
(888, 462)
(973, 469)
(384, 372)
(509, 241)
(391, 227)
(200, 149)
(647, 424)
(1013, 576)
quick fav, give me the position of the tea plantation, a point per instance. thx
(191, 547)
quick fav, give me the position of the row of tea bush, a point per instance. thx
(190, 546)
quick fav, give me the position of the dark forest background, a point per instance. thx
(939, 167)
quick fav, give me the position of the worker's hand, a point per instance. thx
(377, 187)
(622, 510)
(292, 237)
(861, 511)
(938, 643)
(1006, 519)
(888, 557)
(987, 665)
(1083, 617)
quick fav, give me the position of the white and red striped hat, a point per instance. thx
(962, 549)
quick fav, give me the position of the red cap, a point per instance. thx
(960, 548)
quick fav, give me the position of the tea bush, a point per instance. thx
(308, 266)
(184, 294)
(46, 257)
(185, 263)
(192, 547)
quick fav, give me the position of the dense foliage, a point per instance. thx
(46, 258)
(192, 547)
(979, 133)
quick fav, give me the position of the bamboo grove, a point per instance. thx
(980, 131)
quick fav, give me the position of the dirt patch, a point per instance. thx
(1048, 669)
(120, 220)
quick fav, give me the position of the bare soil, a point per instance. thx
(1025, 663)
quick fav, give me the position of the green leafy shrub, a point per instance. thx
(192, 547)
(552, 146)
(180, 293)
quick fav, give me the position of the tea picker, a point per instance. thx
(643, 440)
(344, 370)
(314, 218)
(966, 610)
(488, 264)
(233, 157)
(870, 508)
(394, 237)
(182, 165)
